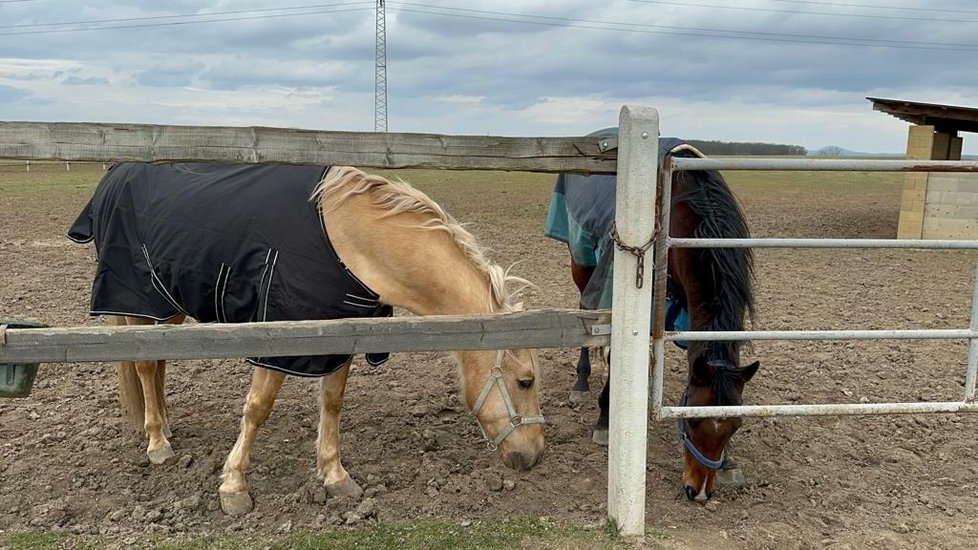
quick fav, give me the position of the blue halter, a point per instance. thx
(691, 447)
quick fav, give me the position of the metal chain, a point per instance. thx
(637, 251)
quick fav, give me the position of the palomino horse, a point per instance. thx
(710, 289)
(257, 243)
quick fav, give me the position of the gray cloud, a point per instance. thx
(512, 68)
(11, 95)
(79, 81)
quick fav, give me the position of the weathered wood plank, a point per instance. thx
(531, 329)
(251, 145)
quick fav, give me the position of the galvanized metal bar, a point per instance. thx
(825, 165)
(664, 203)
(943, 244)
(820, 410)
(638, 146)
(880, 334)
(969, 382)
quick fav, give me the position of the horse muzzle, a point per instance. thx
(521, 461)
(700, 496)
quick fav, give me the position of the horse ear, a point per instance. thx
(703, 372)
(748, 372)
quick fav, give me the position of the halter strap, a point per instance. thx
(515, 420)
(683, 437)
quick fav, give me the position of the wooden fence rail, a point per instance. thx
(530, 329)
(102, 142)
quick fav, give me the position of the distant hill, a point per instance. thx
(836, 151)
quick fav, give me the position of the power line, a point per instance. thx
(873, 6)
(824, 13)
(530, 19)
(703, 32)
(178, 16)
(178, 23)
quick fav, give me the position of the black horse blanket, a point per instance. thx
(582, 209)
(224, 243)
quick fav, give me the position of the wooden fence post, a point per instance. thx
(638, 146)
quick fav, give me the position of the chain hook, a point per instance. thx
(637, 251)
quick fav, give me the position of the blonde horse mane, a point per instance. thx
(397, 197)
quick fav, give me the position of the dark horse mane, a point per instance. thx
(729, 271)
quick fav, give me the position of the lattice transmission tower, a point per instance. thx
(380, 77)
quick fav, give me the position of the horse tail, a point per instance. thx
(130, 389)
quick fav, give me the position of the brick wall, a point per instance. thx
(951, 208)
(944, 212)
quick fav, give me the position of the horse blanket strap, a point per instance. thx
(224, 243)
(495, 380)
(683, 437)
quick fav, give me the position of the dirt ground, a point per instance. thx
(68, 463)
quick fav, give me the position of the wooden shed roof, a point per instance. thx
(945, 118)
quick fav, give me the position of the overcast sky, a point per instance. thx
(784, 71)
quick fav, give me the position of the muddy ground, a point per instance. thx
(67, 462)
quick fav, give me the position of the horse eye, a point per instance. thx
(526, 383)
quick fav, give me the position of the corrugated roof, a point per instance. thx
(946, 118)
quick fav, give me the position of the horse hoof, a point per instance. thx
(159, 456)
(237, 504)
(577, 397)
(345, 488)
(600, 437)
(732, 477)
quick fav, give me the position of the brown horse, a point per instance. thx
(713, 286)
(392, 240)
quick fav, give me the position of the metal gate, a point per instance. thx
(627, 438)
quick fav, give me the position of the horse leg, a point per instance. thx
(265, 385)
(581, 275)
(161, 397)
(335, 478)
(159, 448)
(130, 390)
(600, 434)
(161, 382)
(581, 387)
(143, 398)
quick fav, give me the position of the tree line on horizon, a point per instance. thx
(747, 148)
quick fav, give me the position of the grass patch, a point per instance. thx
(454, 186)
(49, 178)
(814, 183)
(440, 534)
(427, 534)
(37, 540)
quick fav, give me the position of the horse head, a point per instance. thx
(501, 389)
(711, 383)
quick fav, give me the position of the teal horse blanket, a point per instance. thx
(581, 212)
